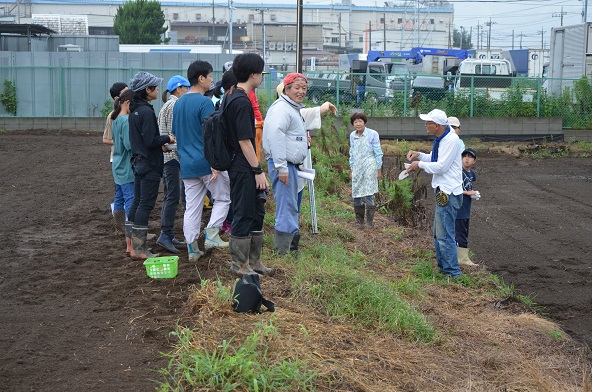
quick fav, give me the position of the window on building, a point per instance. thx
(432, 21)
(334, 40)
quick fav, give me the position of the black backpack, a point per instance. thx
(215, 137)
(247, 296)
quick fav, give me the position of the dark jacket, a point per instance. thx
(145, 138)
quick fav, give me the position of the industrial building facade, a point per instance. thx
(269, 29)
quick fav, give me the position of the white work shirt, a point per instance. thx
(447, 170)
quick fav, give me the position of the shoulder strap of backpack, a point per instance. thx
(268, 304)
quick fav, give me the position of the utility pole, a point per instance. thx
(584, 12)
(489, 34)
(478, 36)
(461, 36)
(370, 35)
(213, 22)
(559, 15)
(339, 26)
(263, 34)
(542, 32)
(512, 39)
(230, 5)
(383, 30)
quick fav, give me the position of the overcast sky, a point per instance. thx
(522, 19)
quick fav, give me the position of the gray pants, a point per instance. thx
(172, 194)
(369, 201)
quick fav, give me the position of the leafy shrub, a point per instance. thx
(8, 97)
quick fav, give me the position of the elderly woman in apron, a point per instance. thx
(365, 161)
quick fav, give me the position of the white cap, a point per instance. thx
(438, 116)
(453, 121)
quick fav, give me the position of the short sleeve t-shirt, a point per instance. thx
(464, 212)
(241, 126)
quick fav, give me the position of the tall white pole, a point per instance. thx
(230, 4)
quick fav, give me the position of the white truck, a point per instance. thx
(571, 56)
(488, 77)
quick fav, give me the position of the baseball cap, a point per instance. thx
(176, 82)
(142, 80)
(453, 121)
(227, 66)
(470, 151)
(116, 89)
(289, 79)
(438, 116)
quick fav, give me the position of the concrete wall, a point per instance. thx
(485, 128)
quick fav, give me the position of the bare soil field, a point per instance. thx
(77, 314)
(533, 227)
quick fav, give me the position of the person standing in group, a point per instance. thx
(147, 158)
(258, 116)
(247, 179)
(286, 143)
(365, 161)
(176, 87)
(220, 92)
(312, 121)
(444, 163)
(118, 214)
(455, 124)
(463, 216)
(189, 112)
(121, 165)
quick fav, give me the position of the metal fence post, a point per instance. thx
(472, 96)
(61, 90)
(538, 97)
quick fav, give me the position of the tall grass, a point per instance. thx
(328, 278)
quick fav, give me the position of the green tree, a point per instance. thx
(139, 22)
(466, 39)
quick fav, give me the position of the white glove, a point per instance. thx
(476, 196)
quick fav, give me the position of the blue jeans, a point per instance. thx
(124, 196)
(286, 199)
(172, 193)
(444, 240)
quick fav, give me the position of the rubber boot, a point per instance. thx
(281, 242)
(128, 239)
(255, 254)
(463, 257)
(213, 239)
(294, 244)
(141, 252)
(359, 210)
(239, 250)
(370, 216)
(119, 221)
(193, 251)
(166, 242)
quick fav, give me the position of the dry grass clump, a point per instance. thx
(478, 348)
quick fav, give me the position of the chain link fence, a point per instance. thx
(60, 91)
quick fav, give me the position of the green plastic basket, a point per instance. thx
(162, 267)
